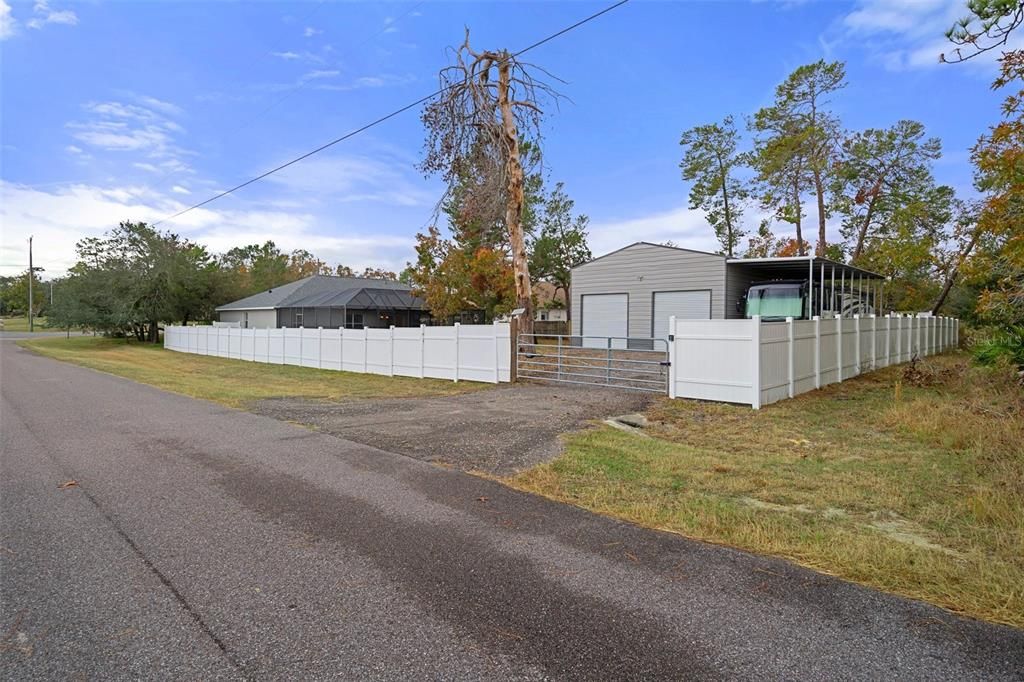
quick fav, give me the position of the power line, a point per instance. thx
(236, 130)
(384, 118)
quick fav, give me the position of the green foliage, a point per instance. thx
(797, 138)
(14, 294)
(562, 243)
(709, 161)
(133, 278)
(988, 27)
(879, 173)
(1004, 345)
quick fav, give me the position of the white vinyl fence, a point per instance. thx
(747, 361)
(460, 352)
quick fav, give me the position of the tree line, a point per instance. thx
(506, 229)
(135, 278)
(935, 249)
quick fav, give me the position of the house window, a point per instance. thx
(353, 321)
(298, 319)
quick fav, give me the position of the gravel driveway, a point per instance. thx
(498, 431)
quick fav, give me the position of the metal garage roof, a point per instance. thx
(796, 267)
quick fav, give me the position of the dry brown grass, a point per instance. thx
(912, 482)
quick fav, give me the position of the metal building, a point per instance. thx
(632, 292)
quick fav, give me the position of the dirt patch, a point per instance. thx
(500, 431)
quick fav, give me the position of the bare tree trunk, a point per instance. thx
(725, 199)
(798, 218)
(862, 235)
(820, 191)
(954, 272)
(514, 207)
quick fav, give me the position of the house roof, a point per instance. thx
(328, 290)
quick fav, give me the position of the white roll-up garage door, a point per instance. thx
(688, 305)
(604, 315)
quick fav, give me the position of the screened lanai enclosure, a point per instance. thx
(355, 309)
(329, 302)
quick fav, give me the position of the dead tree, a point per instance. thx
(489, 103)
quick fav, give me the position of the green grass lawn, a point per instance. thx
(233, 382)
(20, 324)
(910, 482)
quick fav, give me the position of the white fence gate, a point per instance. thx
(460, 352)
(747, 361)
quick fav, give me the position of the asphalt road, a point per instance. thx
(205, 543)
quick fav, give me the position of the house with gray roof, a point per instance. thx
(330, 302)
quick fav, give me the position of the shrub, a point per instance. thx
(1006, 345)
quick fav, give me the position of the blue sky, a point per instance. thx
(131, 111)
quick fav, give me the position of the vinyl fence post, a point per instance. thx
(817, 351)
(284, 344)
(423, 346)
(671, 356)
(874, 341)
(497, 349)
(792, 352)
(888, 338)
(320, 347)
(341, 349)
(302, 345)
(839, 346)
(755, 348)
(366, 350)
(391, 351)
(457, 325)
(856, 344)
(513, 347)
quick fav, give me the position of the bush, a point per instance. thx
(1005, 345)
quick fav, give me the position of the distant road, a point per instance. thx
(14, 336)
(145, 535)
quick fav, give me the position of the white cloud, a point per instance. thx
(163, 107)
(354, 178)
(72, 149)
(310, 32)
(287, 56)
(60, 218)
(318, 74)
(689, 229)
(44, 15)
(380, 81)
(685, 227)
(122, 127)
(906, 34)
(8, 25)
(178, 189)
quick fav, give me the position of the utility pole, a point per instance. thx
(31, 276)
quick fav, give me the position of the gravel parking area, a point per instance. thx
(498, 431)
